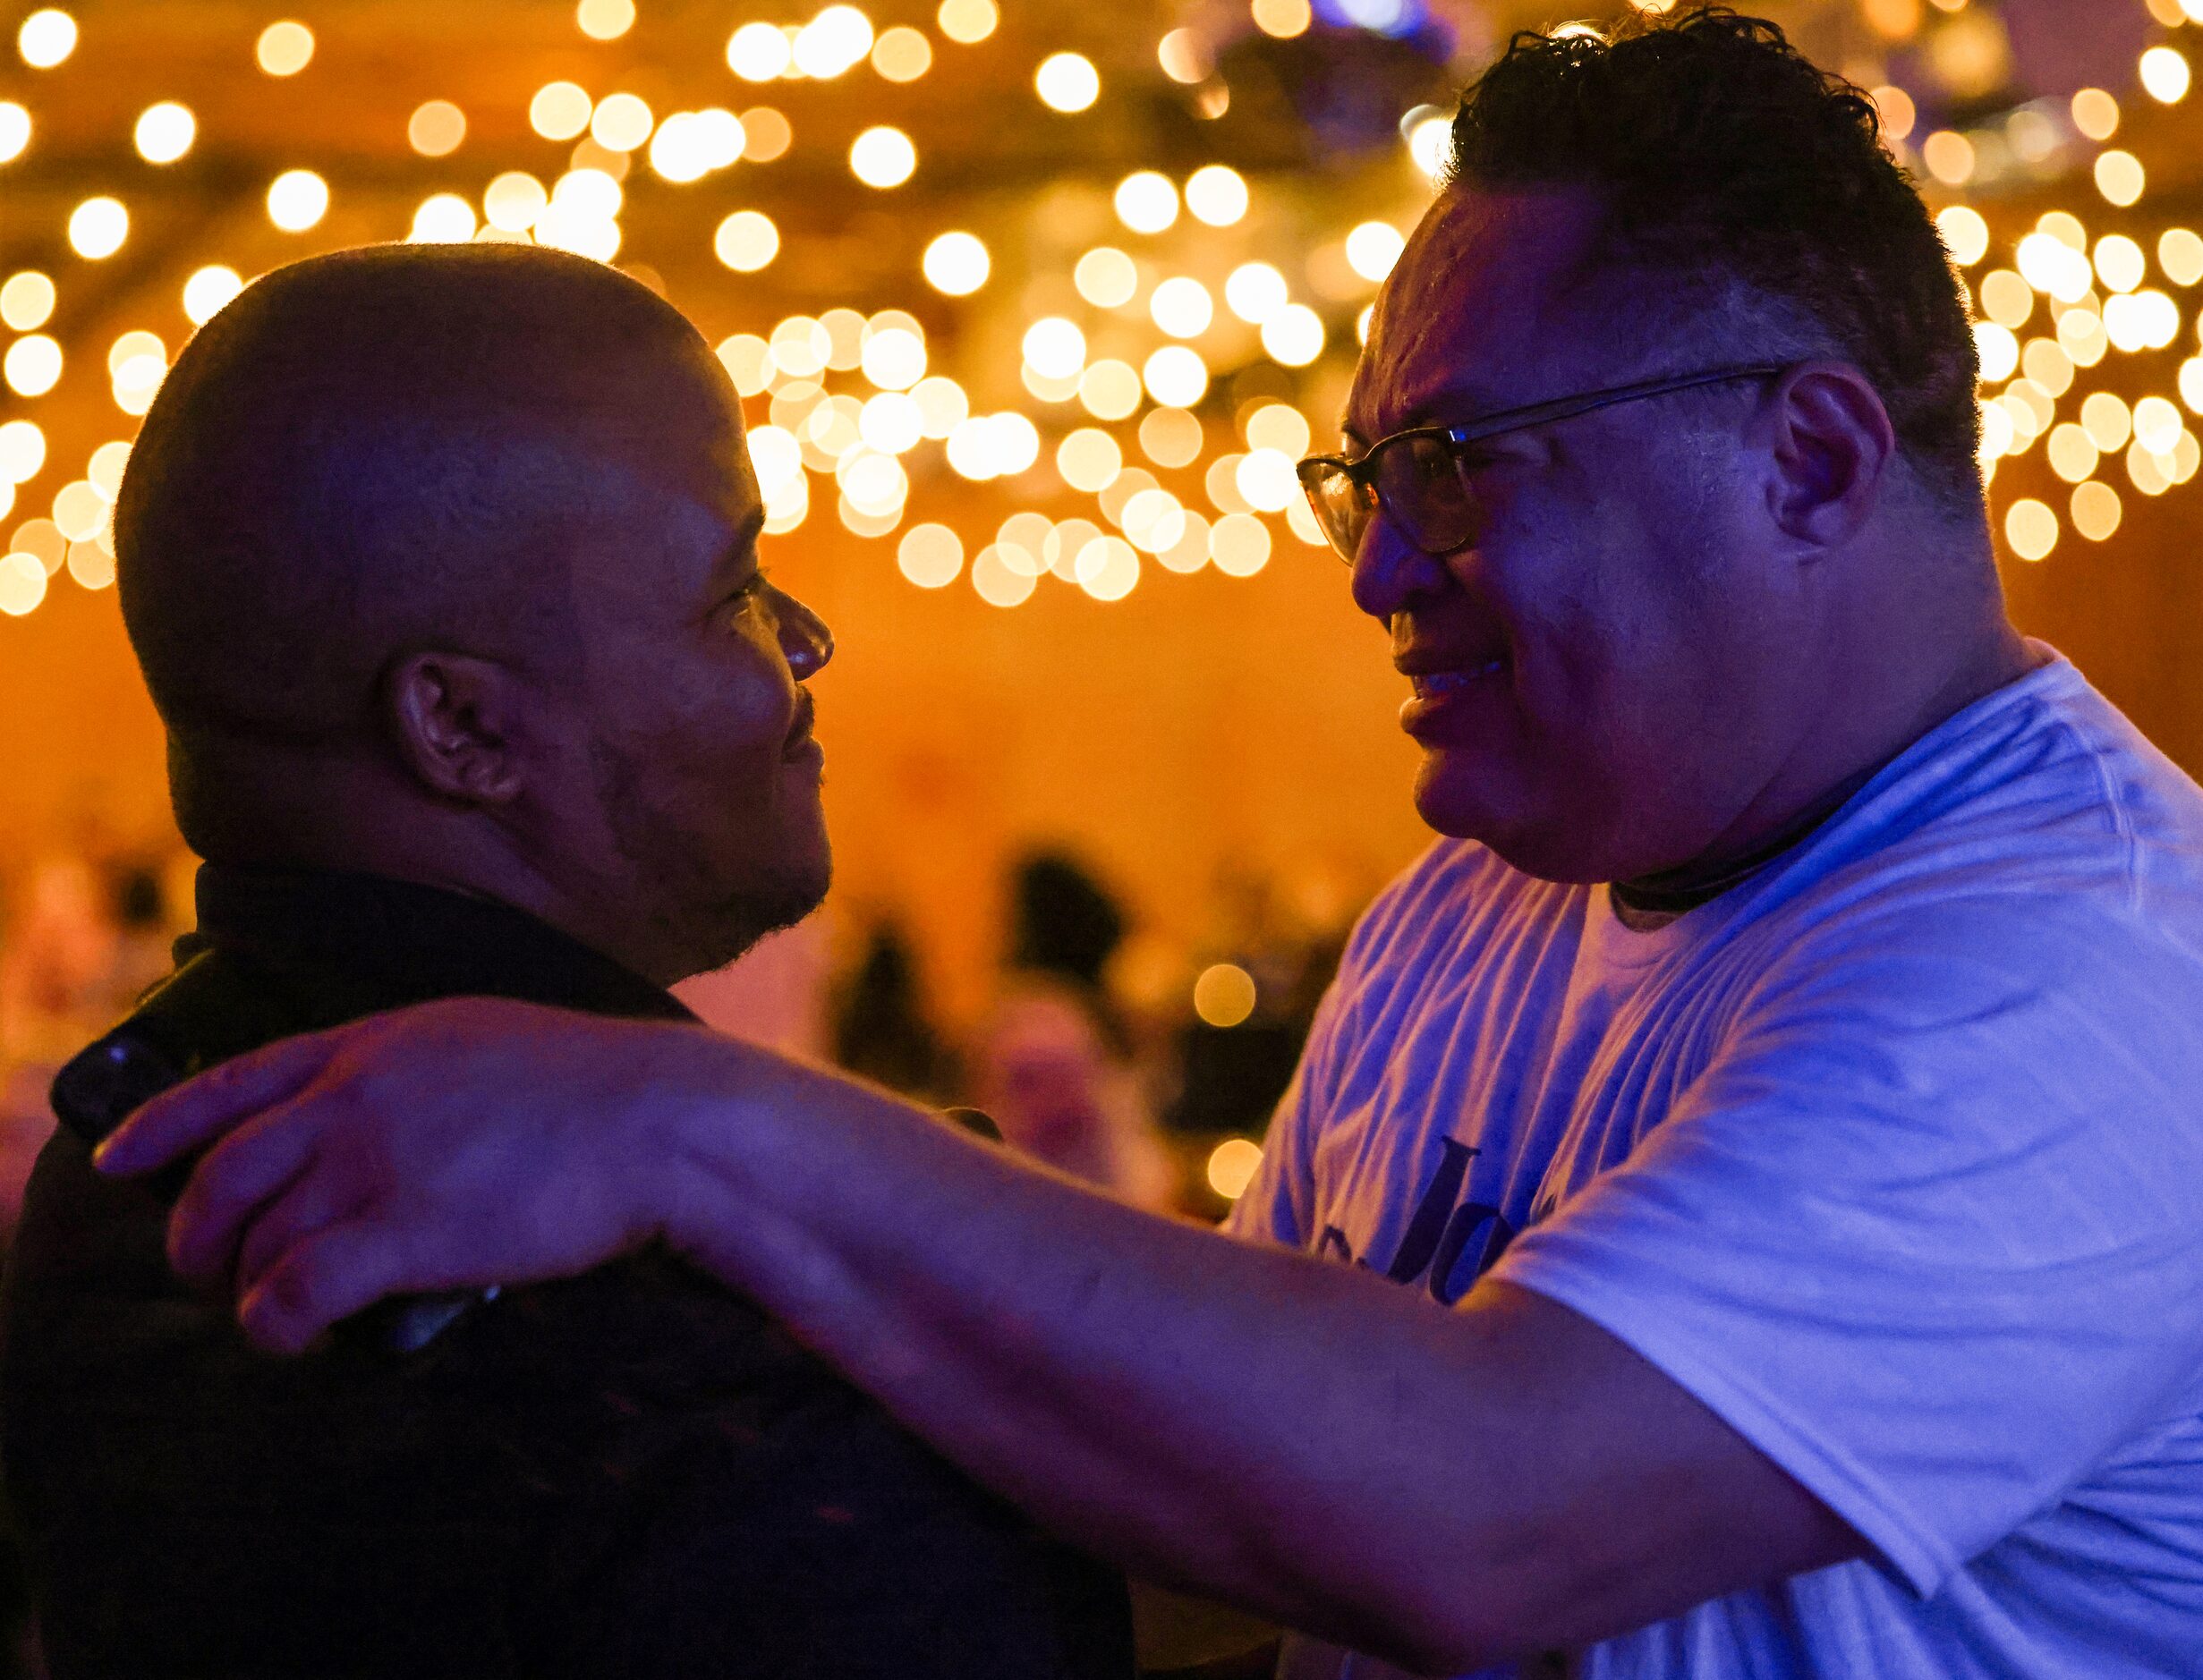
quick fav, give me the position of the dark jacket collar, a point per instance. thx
(398, 942)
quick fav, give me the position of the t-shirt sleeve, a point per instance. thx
(1277, 1205)
(1928, 1231)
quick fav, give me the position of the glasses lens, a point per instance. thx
(1423, 485)
(1341, 507)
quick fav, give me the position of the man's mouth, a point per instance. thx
(1438, 684)
(800, 741)
(1439, 692)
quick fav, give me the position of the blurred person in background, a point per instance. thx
(1740, 1212)
(883, 1027)
(1054, 1067)
(442, 565)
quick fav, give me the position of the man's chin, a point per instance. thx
(739, 922)
(1469, 801)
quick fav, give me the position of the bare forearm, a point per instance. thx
(1248, 1422)
(1299, 1439)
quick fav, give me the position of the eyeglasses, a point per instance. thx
(1420, 478)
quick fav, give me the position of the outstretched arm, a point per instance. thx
(1440, 1489)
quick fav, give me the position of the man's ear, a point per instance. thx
(1832, 446)
(456, 723)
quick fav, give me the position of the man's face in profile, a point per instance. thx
(1587, 669)
(693, 795)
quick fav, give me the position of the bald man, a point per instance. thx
(442, 565)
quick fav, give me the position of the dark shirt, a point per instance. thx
(632, 1472)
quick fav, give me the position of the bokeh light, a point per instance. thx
(443, 217)
(1373, 248)
(882, 157)
(33, 366)
(1232, 1166)
(956, 264)
(930, 556)
(967, 22)
(746, 241)
(25, 300)
(285, 48)
(1146, 202)
(1217, 194)
(621, 121)
(2164, 74)
(209, 288)
(1181, 307)
(902, 54)
(1068, 81)
(165, 132)
(98, 227)
(1224, 995)
(1965, 233)
(297, 199)
(561, 110)
(47, 38)
(1255, 291)
(2031, 529)
(437, 128)
(605, 20)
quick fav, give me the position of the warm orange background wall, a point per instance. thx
(1202, 725)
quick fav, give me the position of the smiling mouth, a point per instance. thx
(1437, 685)
(800, 740)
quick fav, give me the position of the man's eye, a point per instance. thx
(749, 594)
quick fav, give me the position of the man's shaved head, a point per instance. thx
(369, 450)
(440, 561)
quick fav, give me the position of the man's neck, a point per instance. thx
(1758, 838)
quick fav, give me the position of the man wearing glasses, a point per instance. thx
(1740, 1212)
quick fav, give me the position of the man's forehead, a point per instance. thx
(1470, 316)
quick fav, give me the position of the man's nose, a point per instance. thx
(804, 639)
(1390, 573)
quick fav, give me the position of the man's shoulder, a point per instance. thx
(1455, 888)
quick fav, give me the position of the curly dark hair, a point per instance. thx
(1723, 156)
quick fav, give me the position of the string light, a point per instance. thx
(47, 38)
(33, 366)
(1373, 248)
(1106, 278)
(882, 157)
(967, 22)
(297, 199)
(1233, 1163)
(1181, 307)
(436, 129)
(26, 301)
(446, 218)
(97, 228)
(2060, 306)
(902, 54)
(605, 20)
(930, 556)
(285, 48)
(746, 241)
(211, 288)
(1067, 83)
(2031, 529)
(621, 122)
(1217, 194)
(165, 132)
(1254, 292)
(956, 264)
(1146, 202)
(2165, 75)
